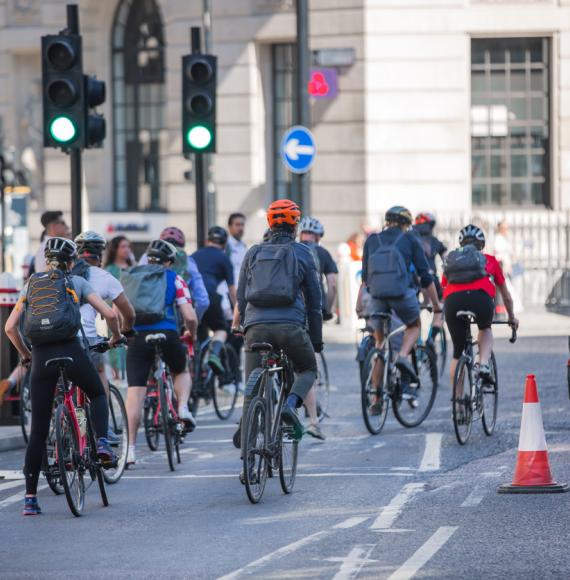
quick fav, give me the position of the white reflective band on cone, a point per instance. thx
(532, 431)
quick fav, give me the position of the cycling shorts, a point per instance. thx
(478, 302)
(140, 356)
(407, 308)
(214, 318)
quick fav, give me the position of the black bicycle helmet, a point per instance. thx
(60, 250)
(90, 244)
(218, 235)
(160, 251)
(399, 214)
(472, 234)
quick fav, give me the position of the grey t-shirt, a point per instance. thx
(80, 285)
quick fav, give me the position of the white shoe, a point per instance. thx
(185, 415)
(131, 455)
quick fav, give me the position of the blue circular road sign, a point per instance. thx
(298, 149)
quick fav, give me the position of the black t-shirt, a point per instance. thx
(215, 267)
(326, 262)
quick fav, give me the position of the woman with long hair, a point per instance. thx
(119, 256)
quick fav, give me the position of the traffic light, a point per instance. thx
(63, 88)
(199, 76)
(95, 126)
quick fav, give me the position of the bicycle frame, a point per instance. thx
(160, 372)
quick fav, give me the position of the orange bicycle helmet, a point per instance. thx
(283, 211)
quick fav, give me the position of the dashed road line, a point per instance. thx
(352, 564)
(432, 454)
(11, 484)
(351, 523)
(475, 497)
(16, 497)
(424, 554)
(235, 475)
(390, 513)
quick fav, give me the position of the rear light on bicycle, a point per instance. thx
(271, 362)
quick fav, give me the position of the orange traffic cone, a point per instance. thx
(532, 472)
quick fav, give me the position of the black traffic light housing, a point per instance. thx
(95, 126)
(199, 79)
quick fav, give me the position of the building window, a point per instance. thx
(283, 61)
(138, 104)
(510, 122)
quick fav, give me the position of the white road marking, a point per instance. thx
(11, 484)
(432, 453)
(475, 497)
(235, 475)
(424, 554)
(11, 474)
(16, 497)
(377, 446)
(277, 554)
(350, 523)
(352, 564)
(389, 514)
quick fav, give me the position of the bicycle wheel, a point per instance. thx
(255, 464)
(225, 388)
(25, 407)
(49, 465)
(461, 401)
(119, 424)
(93, 462)
(323, 386)
(440, 348)
(288, 452)
(167, 427)
(413, 413)
(368, 343)
(69, 461)
(374, 399)
(151, 422)
(490, 396)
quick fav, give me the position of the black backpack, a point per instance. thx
(273, 278)
(388, 276)
(464, 265)
(81, 269)
(51, 309)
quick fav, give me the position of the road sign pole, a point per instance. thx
(302, 182)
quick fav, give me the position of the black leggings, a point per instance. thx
(42, 388)
(478, 302)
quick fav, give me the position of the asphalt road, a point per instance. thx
(401, 504)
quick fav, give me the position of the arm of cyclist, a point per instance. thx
(332, 290)
(110, 316)
(13, 332)
(311, 288)
(359, 301)
(423, 271)
(198, 291)
(126, 312)
(190, 318)
(508, 302)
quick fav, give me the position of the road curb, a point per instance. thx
(11, 443)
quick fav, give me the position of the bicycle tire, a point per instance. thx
(374, 423)
(425, 363)
(323, 387)
(461, 403)
(94, 461)
(166, 427)
(367, 344)
(225, 396)
(288, 455)
(119, 422)
(151, 428)
(442, 355)
(49, 464)
(25, 409)
(69, 461)
(489, 421)
(255, 464)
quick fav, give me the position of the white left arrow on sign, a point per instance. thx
(293, 149)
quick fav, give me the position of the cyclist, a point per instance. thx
(69, 293)
(186, 267)
(281, 319)
(387, 260)
(424, 225)
(140, 355)
(215, 267)
(477, 296)
(90, 248)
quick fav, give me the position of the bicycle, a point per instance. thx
(322, 386)
(20, 394)
(365, 345)
(206, 385)
(160, 415)
(383, 383)
(119, 424)
(476, 397)
(269, 444)
(75, 449)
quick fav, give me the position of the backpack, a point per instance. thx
(273, 278)
(51, 309)
(81, 268)
(145, 287)
(464, 265)
(180, 265)
(388, 275)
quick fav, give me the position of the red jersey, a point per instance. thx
(488, 283)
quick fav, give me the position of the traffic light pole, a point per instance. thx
(201, 193)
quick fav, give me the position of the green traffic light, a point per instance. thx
(62, 130)
(199, 137)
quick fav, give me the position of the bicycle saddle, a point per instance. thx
(466, 314)
(381, 315)
(261, 347)
(60, 362)
(155, 338)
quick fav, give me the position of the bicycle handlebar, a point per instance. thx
(104, 345)
(513, 338)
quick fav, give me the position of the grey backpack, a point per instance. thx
(464, 265)
(145, 287)
(388, 276)
(273, 278)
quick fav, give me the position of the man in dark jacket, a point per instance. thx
(295, 328)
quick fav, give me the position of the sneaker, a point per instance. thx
(113, 438)
(215, 363)
(405, 366)
(187, 418)
(131, 456)
(485, 373)
(376, 408)
(290, 417)
(315, 431)
(31, 506)
(409, 394)
(106, 454)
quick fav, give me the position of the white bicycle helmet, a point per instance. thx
(60, 250)
(312, 225)
(472, 234)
